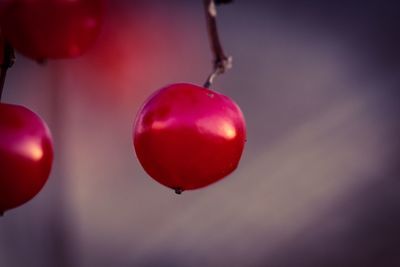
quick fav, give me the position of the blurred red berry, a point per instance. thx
(51, 29)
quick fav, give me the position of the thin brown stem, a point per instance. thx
(7, 62)
(221, 62)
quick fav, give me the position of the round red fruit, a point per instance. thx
(187, 137)
(26, 155)
(50, 29)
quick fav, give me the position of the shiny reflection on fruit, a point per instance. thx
(31, 149)
(161, 124)
(218, 127)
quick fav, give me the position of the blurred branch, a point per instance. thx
(221, 62)
(7, 60)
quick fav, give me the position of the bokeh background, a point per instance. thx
(318, 185)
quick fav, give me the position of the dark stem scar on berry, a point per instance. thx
(221, 62)
(178, 190)
(8, 59)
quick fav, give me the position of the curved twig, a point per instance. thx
(7, 62)
(221, 62)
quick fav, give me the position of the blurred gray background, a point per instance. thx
(319, 182)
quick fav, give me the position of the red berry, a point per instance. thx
(54, 29)
(187, 137)
(26, 155)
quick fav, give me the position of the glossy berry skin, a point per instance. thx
(26, 155)
(187, 137)
(50, 29)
